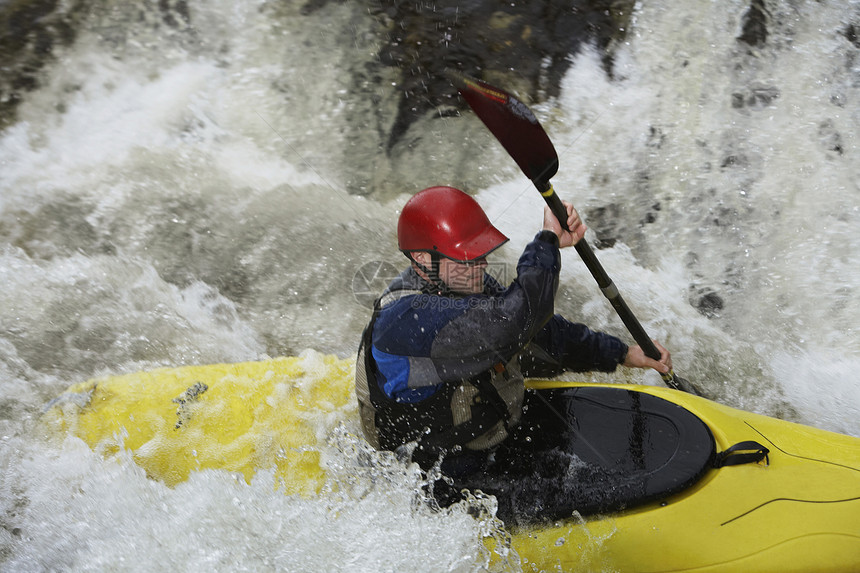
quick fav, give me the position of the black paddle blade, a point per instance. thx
(513, 124)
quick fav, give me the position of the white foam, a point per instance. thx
(171, 198)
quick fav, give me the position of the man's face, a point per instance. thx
(463, 278)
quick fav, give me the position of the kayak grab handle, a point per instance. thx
(749, 452)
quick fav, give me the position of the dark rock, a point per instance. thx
(830, 137)
(850, 34)
(755, 20)
(604, 222)
(756, 98)
(651, 215)
(29, 31)
(525, 46)
(32, 32)
(708, 303)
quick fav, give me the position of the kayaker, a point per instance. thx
(442, 361)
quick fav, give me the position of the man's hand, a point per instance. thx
(636, 359)
(574, 223)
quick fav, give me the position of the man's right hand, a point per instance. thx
(574, 223)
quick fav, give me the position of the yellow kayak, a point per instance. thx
(697, 486)
(233, 417)
(796, 510)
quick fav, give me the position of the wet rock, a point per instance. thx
(34, 32)
(29, 33)
(831, 139)
(755, 98)
(708, 303)
(525, 46)
(175, 13)
(754, 28)
(734, 160)
(604, 223)
(656, 137)
(609, 223)
(850, 33)
(650, 215)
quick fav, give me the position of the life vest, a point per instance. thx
(474, 414)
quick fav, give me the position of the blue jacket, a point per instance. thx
(421, 341)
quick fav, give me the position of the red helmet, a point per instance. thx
(447, 221)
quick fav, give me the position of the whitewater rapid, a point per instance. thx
(171, 198)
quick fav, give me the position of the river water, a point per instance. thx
(173, 197)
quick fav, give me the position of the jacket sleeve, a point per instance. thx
(568, 346)
(451, 338)
(496, 327)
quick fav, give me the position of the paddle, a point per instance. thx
(520, 133)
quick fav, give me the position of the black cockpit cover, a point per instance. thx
(594, 450)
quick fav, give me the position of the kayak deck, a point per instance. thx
(594, 449)
(798, 510)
